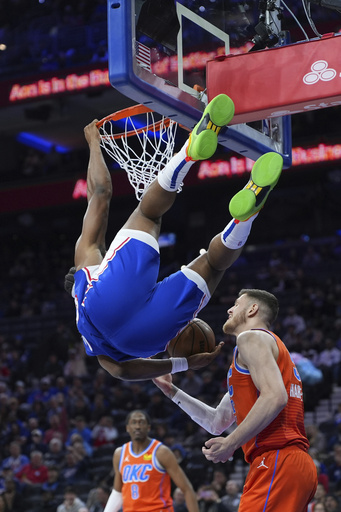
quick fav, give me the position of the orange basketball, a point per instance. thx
(195, 338)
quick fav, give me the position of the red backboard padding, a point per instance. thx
(279, 81)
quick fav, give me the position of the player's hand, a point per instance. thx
(218, 449)
(91, 132)
(165, 384)
(197, 361)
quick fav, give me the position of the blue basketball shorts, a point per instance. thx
(122, 311)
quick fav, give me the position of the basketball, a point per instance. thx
(195, 338)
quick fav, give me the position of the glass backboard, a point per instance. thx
(158, 50)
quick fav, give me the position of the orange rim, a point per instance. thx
(130, 112)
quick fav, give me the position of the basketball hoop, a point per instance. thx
(150, 146)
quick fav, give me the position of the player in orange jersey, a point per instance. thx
(143, 469)
(265, 399)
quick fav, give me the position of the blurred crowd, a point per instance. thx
(51, 34)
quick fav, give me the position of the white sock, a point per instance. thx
(236, 232)
(173, 174)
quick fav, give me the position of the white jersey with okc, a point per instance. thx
(122, 311)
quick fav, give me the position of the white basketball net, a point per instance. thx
(149, 151)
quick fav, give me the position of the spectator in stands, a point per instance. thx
(290, 338)
(210, 386)
(80, 427)
(322, 476)
(61, 386)
(101, 382)
(99, 407)
(16, 460)
(78, 449)
(292, 318)
(20, 392)
(39, 413)
(77, 438)
(232, 495)
(104, 432)
(157, 407)
(13, 408)
(332, 503)
(55, 454)
(57, 429)
(98, 498)
(14, 430)
(319, 507)
(78, 402)
(180, 455)
(74, 469)
(119, 397)
(179, 503)
(6, 473)
(56, 406)
(71, 501)
(35, 472)
(219, 481)
(319, 497)
(209, 501)
(53, 367)
(316, 438)
(335, 436)
(329, 360)
(43, 393)
(191, 383)
(334, 469)
(138, 397)
(193, 435)
(32, 424)
(54, 483)
(36, 442)
(81, 406)
(75, 366)
(10, 498)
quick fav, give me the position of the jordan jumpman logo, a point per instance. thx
(262, 465)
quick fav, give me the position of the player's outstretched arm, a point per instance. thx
(213, 419)
(90, 246)
(144, 369)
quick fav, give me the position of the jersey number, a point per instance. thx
(134, 492)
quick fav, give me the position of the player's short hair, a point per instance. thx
(69, 280)
(268, 301)
(145, 414)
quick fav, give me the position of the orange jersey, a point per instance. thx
(146, 485)
(287, 429)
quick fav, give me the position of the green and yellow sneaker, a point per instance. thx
(203, 140)
(264, 176)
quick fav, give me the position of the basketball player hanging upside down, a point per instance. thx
(123, 314)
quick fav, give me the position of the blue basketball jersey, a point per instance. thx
(122, 311)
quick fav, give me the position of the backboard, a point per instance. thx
(158, 50)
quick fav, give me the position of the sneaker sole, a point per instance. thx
(264, 176)
(205, 145)
(218, 113)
